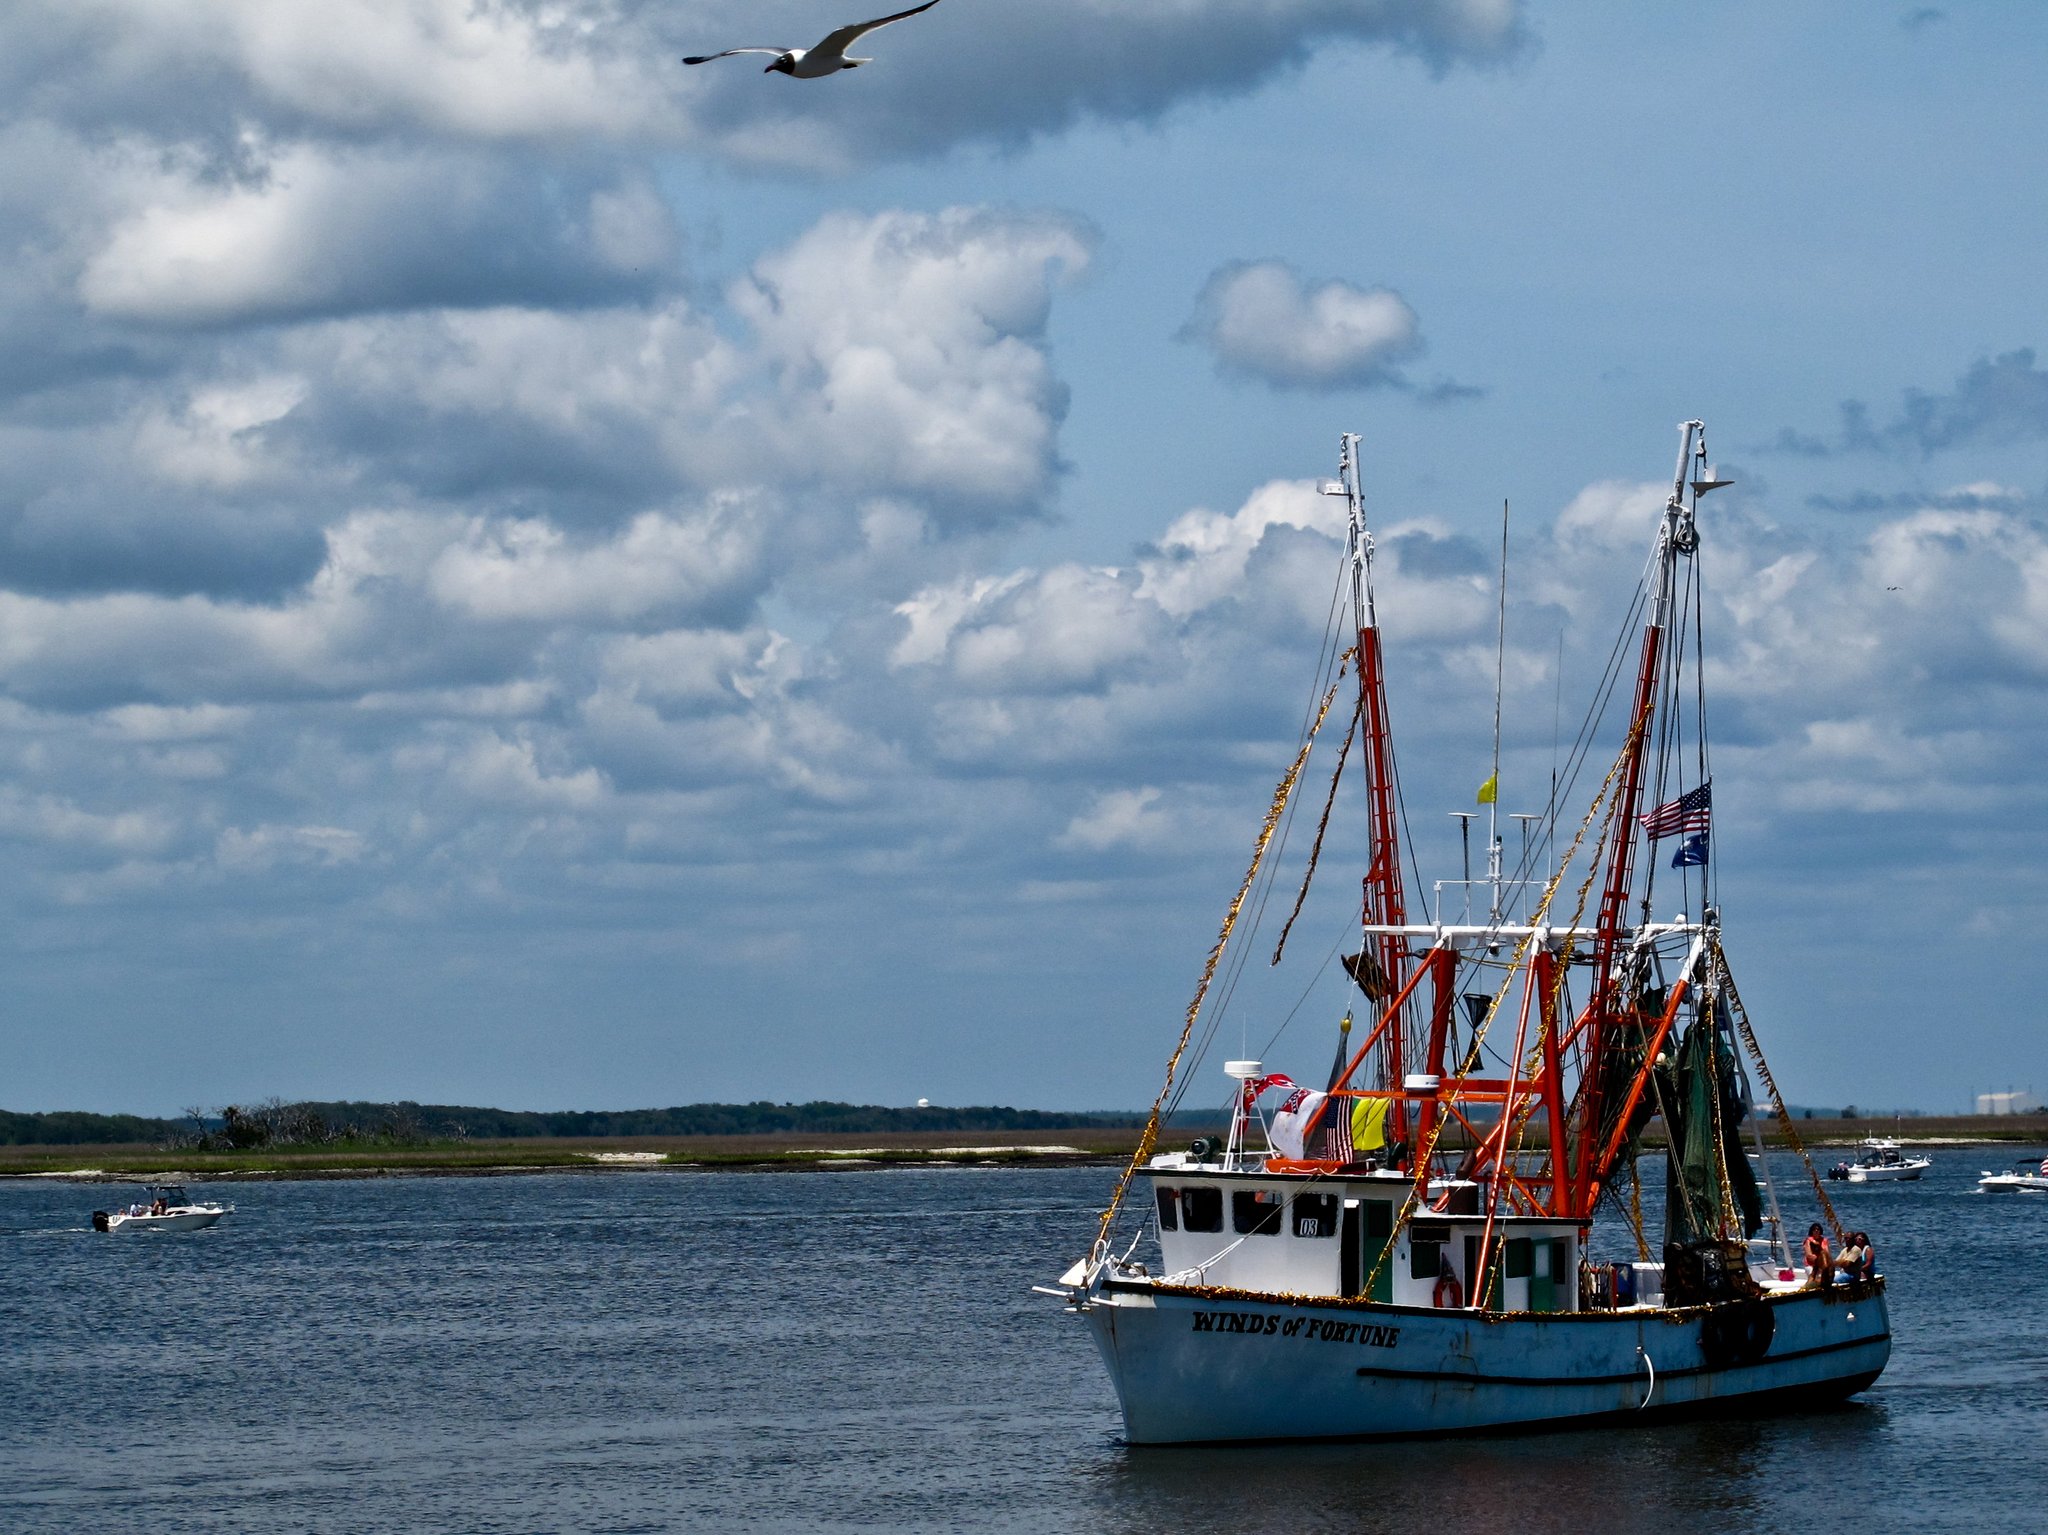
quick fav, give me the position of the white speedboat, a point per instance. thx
(168, 1208)
(2023, 1178)
(1411, 1249)
(1880, 1161)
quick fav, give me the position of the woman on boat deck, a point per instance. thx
(1855, 1259)
(1818, 1262)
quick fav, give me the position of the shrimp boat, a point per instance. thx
(1415, 1249)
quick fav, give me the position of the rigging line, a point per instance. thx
(1556, 736)
(1588, 729)
(1725, 1186)
(1342, 662)
(1635, 1209)
(1150, 1138)
(1672, 1156)
(1710, 880)
(1323, 676)
(1315, 851)
(1419, 1189)
(1401, 810)
(1740, 1015)
(1617, 656)
(1283, 793)
(1611, 671)
(1780, 1246)
(1234, 972)
(1668, 729)
(1240, 959)
(1543, 906)
(1565, 953)
(1331, 652)
(1332, 641)
(1500, 663)
(1315, 979)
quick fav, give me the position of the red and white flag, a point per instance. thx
(1289, 1128)
(1254, 1086)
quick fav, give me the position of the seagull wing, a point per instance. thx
(838, 42)
(706, 58)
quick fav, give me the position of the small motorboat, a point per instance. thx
(1880, 1161)
(2023, 1178)
(168, 1208)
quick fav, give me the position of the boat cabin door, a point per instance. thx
(1368, 1227)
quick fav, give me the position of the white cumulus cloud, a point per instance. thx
(1262, 320)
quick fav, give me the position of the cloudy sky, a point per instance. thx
(534, 575)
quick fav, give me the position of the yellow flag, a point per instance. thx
(1490, 790)
(1368, 1124)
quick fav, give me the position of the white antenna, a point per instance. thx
(1528, 874)
(1500, 655)
(1352, 489)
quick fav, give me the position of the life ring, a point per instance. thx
(1449, 1294)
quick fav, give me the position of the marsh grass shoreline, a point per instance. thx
(738, 1153)
(792, 1152)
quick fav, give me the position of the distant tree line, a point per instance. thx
(276, 1123)
(68, 1129)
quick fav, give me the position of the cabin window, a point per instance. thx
(1425, 1259)
(1168, 1209)
(1521, 1257)
(1201, 1209)
(1315, 1215)
(1255, 1212)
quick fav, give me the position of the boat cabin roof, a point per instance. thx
(1178, 1165)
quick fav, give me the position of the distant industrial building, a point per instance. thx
(2008, 1103)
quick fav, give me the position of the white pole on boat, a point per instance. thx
(1526, 873)
(1352, 488)
(1500, 655)
(1464, 819)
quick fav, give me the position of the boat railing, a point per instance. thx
(1494, 900)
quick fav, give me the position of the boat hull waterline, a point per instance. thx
(2013, 1183)
(181, 1220)
(1908, 1173)
(1195, 1366)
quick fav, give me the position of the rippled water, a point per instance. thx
(859, 1351)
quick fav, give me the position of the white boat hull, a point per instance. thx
(1192, 1366)
(1904, 1172)
(2013, 1183)
(177, 1220)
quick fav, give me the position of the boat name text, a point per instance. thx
(1365, 1334)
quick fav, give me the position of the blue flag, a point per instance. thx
(1692, 852)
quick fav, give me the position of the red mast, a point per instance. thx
(1610, 1003)
(1384, 904)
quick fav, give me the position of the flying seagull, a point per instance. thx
(828, 58)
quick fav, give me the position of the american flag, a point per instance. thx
(1690, 812)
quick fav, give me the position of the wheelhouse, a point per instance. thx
(1342, 1237)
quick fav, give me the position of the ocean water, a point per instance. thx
(860, 1351)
